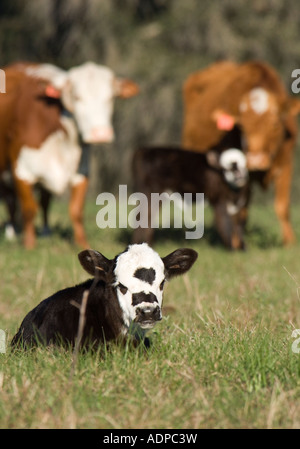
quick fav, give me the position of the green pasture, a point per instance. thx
(221, 358)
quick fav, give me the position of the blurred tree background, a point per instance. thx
(157, 43)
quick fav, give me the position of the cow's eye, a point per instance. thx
(122, 289)
(162, 284)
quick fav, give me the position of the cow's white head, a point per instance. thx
(138, 276)
(89, 94)
(233, 164)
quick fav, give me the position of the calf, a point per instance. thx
(125, 299)
(221, 176)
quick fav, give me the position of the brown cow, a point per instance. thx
(252, 96)
(46, 117)
(27, 117)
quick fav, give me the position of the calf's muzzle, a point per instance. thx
(147, 316)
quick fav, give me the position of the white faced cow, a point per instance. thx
(78, 104)
(125, 299)
(88, 92)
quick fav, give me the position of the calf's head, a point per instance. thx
(233, 164)
(138, 276)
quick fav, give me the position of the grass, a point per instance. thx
(221, 357)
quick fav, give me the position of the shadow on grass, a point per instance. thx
(262, 237)
(56, 231)
(255, 236)
(175, 235)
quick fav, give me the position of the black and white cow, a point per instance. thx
(125, 299)
(220, 174)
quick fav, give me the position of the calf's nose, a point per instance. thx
(149, 313)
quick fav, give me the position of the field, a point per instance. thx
(221, 358)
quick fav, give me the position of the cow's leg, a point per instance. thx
(45, 198)
(28, 209)
(8, 193)
(76, 206)
(282, 203)
(237, 237)
(223, 223)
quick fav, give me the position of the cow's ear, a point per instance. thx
(125, 88)
(293, 106)
(95, 263)
(52, 92)
(179, 261)
(67, 96)
(223, 120)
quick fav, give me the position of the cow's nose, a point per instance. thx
(102, 134)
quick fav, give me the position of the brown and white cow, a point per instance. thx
(252, 96)
(46, 116)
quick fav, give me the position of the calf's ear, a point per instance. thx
(179, 261)
(95, 263)
(213, 159)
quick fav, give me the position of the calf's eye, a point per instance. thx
(122, 289)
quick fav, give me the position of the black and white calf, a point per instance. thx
(125, 299)
(220, 174)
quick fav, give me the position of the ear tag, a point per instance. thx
(225, 122)
(51, 92)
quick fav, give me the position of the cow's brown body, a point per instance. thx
(27, 118)
(270, 131)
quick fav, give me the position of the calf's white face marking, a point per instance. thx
(139, 279)
(234, 165)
